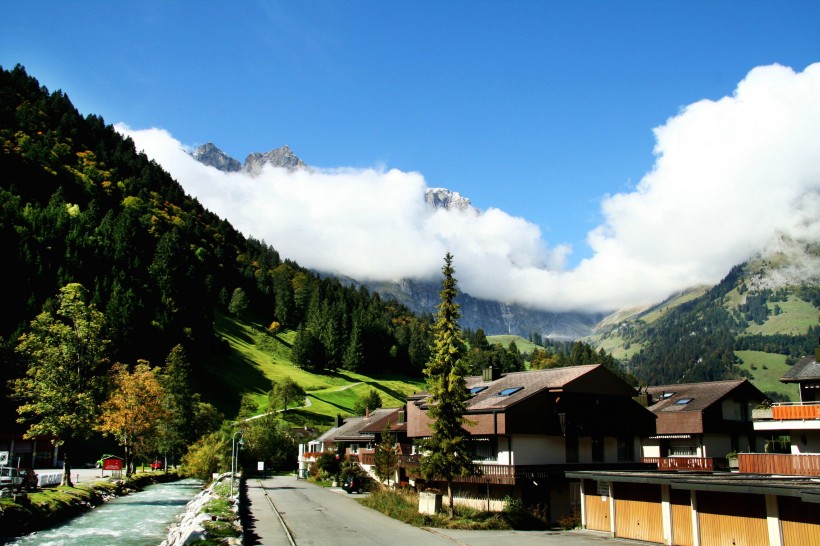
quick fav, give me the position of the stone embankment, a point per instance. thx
(191, 523)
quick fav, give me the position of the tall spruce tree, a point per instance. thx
(447, 451)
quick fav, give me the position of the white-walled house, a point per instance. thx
(528, 428)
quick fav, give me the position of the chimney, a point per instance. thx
(366, 413)
(817, 352)
(401, 417)
(490, 374)
(338, 420)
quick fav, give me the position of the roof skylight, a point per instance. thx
(508, 392)
(683, 401)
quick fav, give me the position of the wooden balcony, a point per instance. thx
(778, 463)
(367, 458)
(800, 412)
(698, 464)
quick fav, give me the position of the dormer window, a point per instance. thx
(683, 401)
(476, 390)
(509, 392)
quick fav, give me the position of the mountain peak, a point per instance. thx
(442, 198)
(278, 157)
(209, 154)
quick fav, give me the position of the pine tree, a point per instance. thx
(447, 451)
(386, 458)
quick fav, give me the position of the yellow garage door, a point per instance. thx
(681, 517)
(738, 519)
(800, 520)
(638, 511)
(596, 506)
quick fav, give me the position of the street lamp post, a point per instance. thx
(235, 454)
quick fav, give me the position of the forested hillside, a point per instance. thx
(721, 334)
(81, 205)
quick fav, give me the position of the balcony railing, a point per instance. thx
(796, 411)
(703, 464)
(778, 463)
(502, 474)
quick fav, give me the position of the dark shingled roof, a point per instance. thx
(390, 418)
(589, 378)
(702, 395)
(805, 369)
(352, 428)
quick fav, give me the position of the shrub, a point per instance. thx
(572, 521)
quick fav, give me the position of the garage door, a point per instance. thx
(596, 506)
(732, 518)
(800, 520)
(681, 517)
(638, 511)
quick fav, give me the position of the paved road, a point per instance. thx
(284, 511)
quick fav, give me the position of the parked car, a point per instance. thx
(353, 484)
(17, 479)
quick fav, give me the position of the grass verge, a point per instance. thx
(403, 505)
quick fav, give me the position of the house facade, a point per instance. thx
(698, 424)
(799, 422)
(528, 428)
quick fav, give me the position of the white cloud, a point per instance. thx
(730, 176)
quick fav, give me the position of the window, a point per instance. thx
(484, 449)
(666, 395)
(508, 392)
(683, 401)
(683, 451)
(476, 390)
(626, 449)
(571, 448)
(598, 449)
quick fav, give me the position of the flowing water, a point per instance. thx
(137, 519)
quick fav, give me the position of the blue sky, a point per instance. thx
(543, 113)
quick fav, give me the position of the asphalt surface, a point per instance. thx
(284, 511)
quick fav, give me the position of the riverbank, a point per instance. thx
(210, 516)
(47, 507)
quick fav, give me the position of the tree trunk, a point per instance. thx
(450, 495)
(66, 481)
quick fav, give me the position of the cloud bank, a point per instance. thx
(730, 177)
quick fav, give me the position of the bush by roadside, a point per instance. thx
(403, 505)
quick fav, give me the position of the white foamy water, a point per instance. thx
(136, 519)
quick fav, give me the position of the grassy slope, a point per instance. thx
(523, 345)
(257, 358)
(766, 370)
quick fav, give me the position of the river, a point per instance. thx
(137, 519)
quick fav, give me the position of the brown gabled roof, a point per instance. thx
(390, 418)
(701, 395)
(805, 369)
(590, 378)
(351, 429)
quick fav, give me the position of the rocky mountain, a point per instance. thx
(279, 157)
(212, 156)
(209, 154)
(491, 316)
(441, 198)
